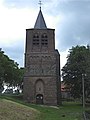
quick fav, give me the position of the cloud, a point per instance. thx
(69, 18)
(63, 55)
(13, 25)
(75, 25)
(15, 51)
(19, 3)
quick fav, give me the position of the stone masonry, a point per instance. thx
(42, 66)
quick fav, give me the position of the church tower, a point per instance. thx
(42, 65)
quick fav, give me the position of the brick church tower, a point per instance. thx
(42, 65)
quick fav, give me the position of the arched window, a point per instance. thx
(44, 40)
(36, 39)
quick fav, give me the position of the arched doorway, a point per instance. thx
(39, 99)
(39, 87)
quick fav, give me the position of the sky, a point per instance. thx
(69, 18)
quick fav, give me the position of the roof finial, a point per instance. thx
(40, 3)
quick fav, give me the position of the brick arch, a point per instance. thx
(44, 35)
(39, 87)
(35, 35)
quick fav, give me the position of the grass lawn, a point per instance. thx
(10, 110)
(26, 111)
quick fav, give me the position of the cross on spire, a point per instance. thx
(40, 3)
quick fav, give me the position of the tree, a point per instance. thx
(78, 63)
(20, 83)
(18, 79)
(1, 70)
(10, 72)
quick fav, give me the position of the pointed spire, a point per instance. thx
(40, 22)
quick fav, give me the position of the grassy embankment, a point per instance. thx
(12, 108)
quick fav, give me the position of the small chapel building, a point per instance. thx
(42, 65)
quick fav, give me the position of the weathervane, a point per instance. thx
(40, 3)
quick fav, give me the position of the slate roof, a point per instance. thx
(40, 22)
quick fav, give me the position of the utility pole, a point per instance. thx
(83, 97)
